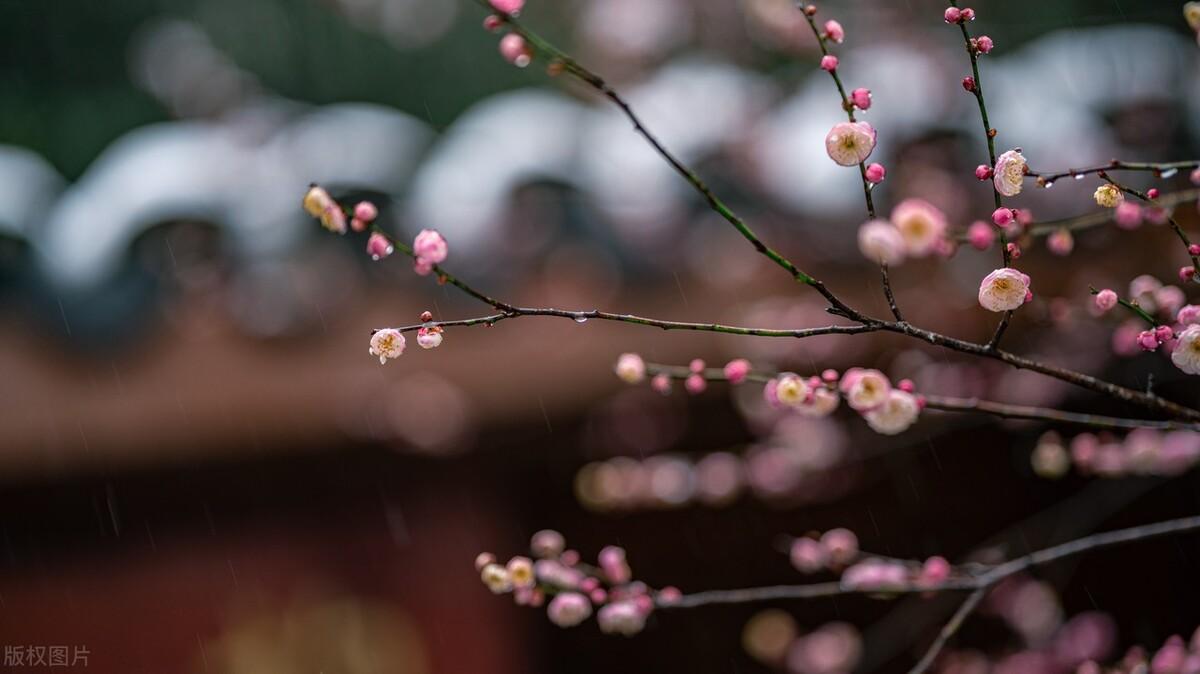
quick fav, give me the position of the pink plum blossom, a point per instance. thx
(429, 337)
(829, 63)
(386, 343)
(737, 370)
(921, 224)
(861, 98)
(981, 235)
(895, 415)
(875, 173)
(515, 50)
(850, 143)
(378, 246)
(1128, 215)
(1186, 355)
(1105, 300)
(834, 31)
(630, 368)
(568, 609)
(1010, 173)
(880, 242)
(1004, 289)
(508, 6)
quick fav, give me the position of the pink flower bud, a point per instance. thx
(695, 384)
(1186, 273)
(508, 6)
(1152, 193)
(547, 544)
(1147, 340)
(808, 556)
(1061, 242)
(834, 31)
(661, 383)
(669, 594)
(829, 63)
(1157, 215)
(952, 15)
(968, 14)
(697, 365)
(983, 172)
(1195, 177)
(1189, 315)
(1002, 216)
(1194, 249)
(968, 83)
(492, 23)
(736, 370)
(612, 562)
(1128, 215)
(1024, 216)
(861, 98)
(841, 545)
(378, 246)
(366, 211)
(1014, 251)
(430, 249)
(830, 376)
(981, 235)
(1163, 333)
(876, 173)
(568, 609)
(1105, 300)
(984, 44)
(906, 385)
(515, 50)
(935, 571)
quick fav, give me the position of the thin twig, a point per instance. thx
(948, 631)
(1142, 196)
(1161, 169)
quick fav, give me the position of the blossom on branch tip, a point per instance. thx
(568, 609)
(834, 31)
(387, 343)
(1105, 300)
(881, 242)
(320, 205)
(861, 98)
(1004, 289)
(921, 224)
(1009, 173)
(1108, 195)
(829, 63)
(429, 337)
(1186, 355)
(895, 415)
(875, 173)
(516, 50)
(850, 143)
(630, 368)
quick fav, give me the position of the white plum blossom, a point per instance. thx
(881, 242)
(1004, 289)
(387, 343)
(821, 403)
(631, 369)
(496, 578)
(1186, 355)
(921, 224)
(895, 415)
(850, 143)
(1010, 173)
(791, 389)
(1108, 196)
(867, 389)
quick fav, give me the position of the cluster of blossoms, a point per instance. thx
(1144, 451)
(389, 342)
(915, 229)
(837, 550)
(1176, 329)
(773, 638)
(575, 590)
(888, 409)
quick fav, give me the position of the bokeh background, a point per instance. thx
(201, 469)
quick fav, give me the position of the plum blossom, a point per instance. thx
(1108, 196)
(1009, 175)
(508, 6)
(850, 143)
(1128, 215)
(895, 415)
(364, 214)
(921, 224)
(516, 50)
(621, 617)
(808, 556)
(881, 242)
(520, 572)
(320, 205)
(547, 544)
(790, 389)
(875, 173)
(1106, 299)
(1186, 355)
(1060, 242)
(496, 578)
(378, 246)
(865, 389)
(387, 343)
(736, 370)
(1189, 315)
(841, 546)
(829, 63)
(1004, 289)
(834, 31)
(861, 98)
(981, 235)
(820, 403)
(429, 249)
(630, 368)
(568, 609)
(429, 337)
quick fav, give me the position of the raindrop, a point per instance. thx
(580, 318)
(1078, 176)
(1048, 185)
(1169, 172)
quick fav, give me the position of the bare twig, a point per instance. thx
(1161, 169)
